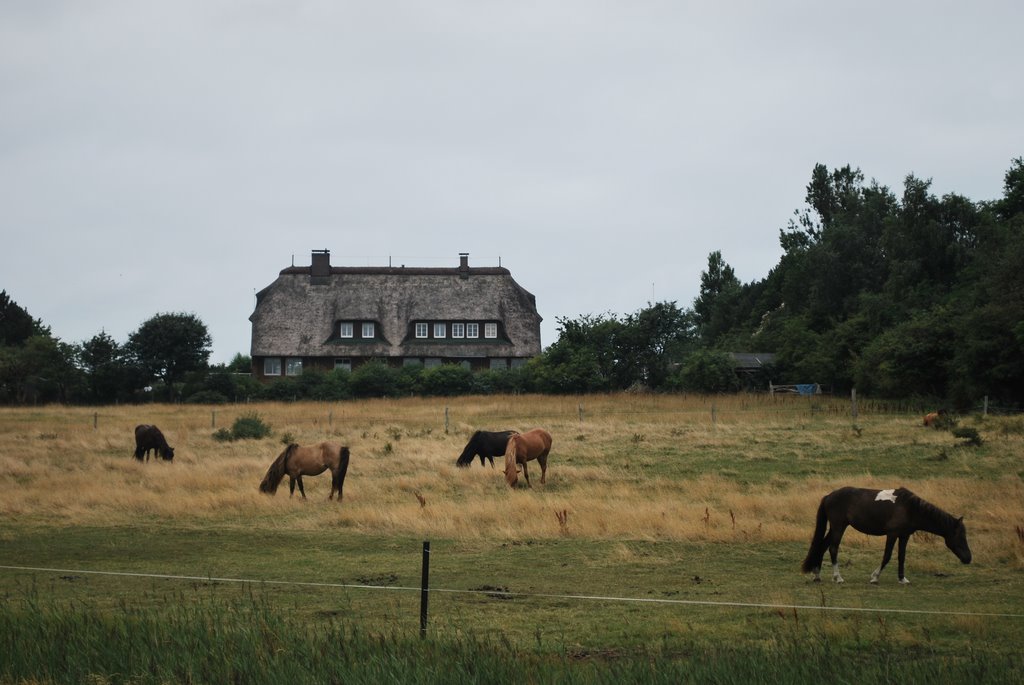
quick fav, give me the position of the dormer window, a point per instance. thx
(440, 330)
(421, 330)
(368, 330)
(458, 330)
(490, 330)
(345, 329)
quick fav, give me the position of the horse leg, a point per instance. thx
(904, 539)
(291, 486)
(302, 490)
(835, 537)
(543, 461)
(526, 475)
(890, 540)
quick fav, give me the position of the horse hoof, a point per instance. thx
(839, 581)
(873, 581)
(904, 581)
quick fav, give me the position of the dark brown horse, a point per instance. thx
(896, 514)
(484, 444)
(148, 438)
(311, 460)
(524, 447)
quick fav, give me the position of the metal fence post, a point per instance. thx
(424, 588)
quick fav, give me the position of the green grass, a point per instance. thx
(535, 607)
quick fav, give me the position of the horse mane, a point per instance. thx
(943, 518)
(511, 473)
(277, 470)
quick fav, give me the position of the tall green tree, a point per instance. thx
(109, 376)
(16, 324)
(714, 309)
(169, 346)
(651, 341)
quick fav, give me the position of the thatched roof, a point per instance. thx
(296, 314)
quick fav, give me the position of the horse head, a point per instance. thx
(956, 540)
(275, 474)
(466, 458)
(511, 454)
(167, 454)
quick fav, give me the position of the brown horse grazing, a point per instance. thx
(148, 438)
(311, 460)
(896, 514)
(523, 447)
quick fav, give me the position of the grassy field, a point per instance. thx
(683, 524)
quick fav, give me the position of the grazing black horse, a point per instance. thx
(148, 438)
(892, 513)
(485, 444)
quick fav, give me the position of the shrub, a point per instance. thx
(968, 434)
(223, 435)
(447, 380)
(249, 426)
(207, 397)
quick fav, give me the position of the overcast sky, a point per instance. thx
(175, 156)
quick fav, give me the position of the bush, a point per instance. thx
(447, 380)
(249, 427)
(374, 379)
(968, 434)
(207, 397)
(706, 371)
(223, 435)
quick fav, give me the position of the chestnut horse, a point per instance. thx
(896, 514)
(524, 447)
(311, 460)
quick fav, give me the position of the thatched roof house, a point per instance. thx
(327, 317)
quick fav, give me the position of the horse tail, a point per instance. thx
(511, 473)
(339, 479)
(818, 543)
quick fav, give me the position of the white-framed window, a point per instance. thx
(490, 330)
(368, 329)
(272, 366)
(440, 330)
(344, 363)
(458, 330)
(293, 366)
(421, 330)
(472, 330)
(345, 329)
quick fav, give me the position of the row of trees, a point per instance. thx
(35, 366)
(898, 296)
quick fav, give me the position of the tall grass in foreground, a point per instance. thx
(246, 641)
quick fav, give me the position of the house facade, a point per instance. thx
(337, 317)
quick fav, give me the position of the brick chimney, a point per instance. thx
(463, 265)
(321, 263)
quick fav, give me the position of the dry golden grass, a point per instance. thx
(629, 467)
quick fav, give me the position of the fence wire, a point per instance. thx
(508, 593)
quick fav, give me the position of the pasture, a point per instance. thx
(670, 530)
